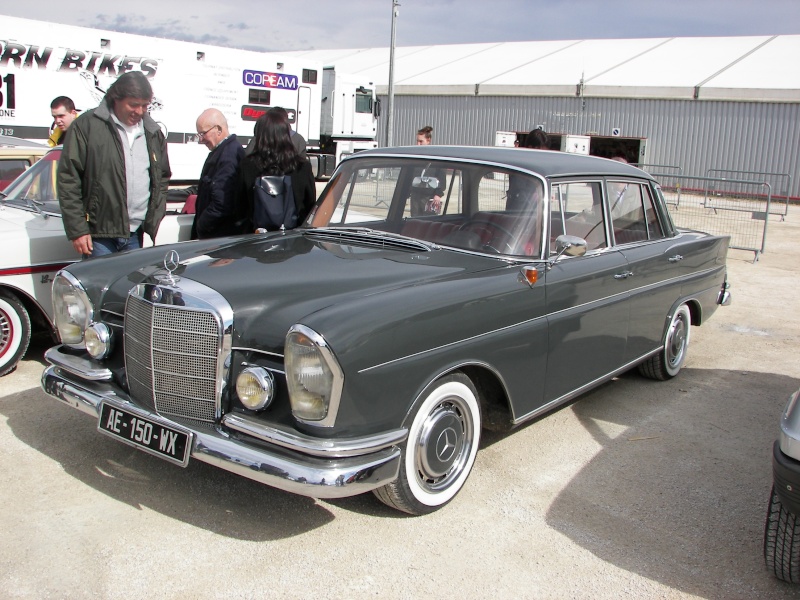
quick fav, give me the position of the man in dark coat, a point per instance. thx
(114, 172)
(216, 192)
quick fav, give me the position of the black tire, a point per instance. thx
(782, 541)
(15, 332)
(440, 450)
(669, 361)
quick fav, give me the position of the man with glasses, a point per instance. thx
(216, 192)
(114, 172)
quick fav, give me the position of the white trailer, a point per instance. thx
(40, 61)
(349, 121)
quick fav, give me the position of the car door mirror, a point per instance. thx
(569, 245)
(425, 183)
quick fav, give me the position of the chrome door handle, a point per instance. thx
(623, 275)
(676, 258)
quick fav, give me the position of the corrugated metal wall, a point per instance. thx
(695, 135)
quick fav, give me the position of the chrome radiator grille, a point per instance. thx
(172, 356)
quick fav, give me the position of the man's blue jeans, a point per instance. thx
(104, 246)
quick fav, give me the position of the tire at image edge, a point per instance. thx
(782, 541)
(15, 332)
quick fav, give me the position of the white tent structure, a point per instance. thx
(699, 103)
(760, 68)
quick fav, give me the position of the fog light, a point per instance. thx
(98, 340)
(255, 387)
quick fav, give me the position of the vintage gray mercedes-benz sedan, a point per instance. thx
(432, 292)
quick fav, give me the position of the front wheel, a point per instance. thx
(15, 332)
(440, 450)
(782, 541)
(669, 360)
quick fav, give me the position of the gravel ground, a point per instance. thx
(640, 489)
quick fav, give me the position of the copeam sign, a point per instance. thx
(279, 81)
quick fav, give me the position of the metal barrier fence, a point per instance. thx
(738, 208)
(659, 169)
(781, 182)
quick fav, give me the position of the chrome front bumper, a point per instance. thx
(304, 466)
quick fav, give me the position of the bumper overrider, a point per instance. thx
(304, 465)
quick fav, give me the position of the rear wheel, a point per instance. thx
(15, 332)
(440, 451)
(668, 362)
(782, 541)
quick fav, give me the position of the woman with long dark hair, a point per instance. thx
(274, 172)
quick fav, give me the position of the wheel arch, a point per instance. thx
(496, 413)
(695, 310)
(37, 314)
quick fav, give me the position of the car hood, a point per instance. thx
(275, 281)
(30, 239)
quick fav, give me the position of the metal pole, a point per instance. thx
(390, 108)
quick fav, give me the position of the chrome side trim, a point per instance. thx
(315, 446)
(584, 388)
(255, 351)
(454, 343)
(282, 468)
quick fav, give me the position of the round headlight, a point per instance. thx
(255, 387)
(72, 309)
(98, 340)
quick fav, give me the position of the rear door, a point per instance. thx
(654, 263)
(587, 296)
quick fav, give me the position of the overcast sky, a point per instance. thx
(314, 24)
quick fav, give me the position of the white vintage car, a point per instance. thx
(35, 247)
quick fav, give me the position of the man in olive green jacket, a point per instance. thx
(114, 172)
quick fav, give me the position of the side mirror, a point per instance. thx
(569, 245)
(377, 108)
(425, 183)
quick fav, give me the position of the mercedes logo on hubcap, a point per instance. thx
(446, 445)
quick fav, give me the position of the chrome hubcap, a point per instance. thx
(443, 445)
(677, 341)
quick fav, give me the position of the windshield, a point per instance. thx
(464, 205)
(36, 187)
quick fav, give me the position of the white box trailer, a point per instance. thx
(349, 117)
(40, 61)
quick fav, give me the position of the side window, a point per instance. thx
(10, 169)
(576, 208)
(633, 213)
(654, 228)
(627, 212)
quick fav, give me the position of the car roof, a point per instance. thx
(549, 163)
(15, 142)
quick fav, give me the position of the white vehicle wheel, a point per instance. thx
(668, 362)
(15, 332)
(440, 450)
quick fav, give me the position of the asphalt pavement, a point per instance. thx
(640, 489)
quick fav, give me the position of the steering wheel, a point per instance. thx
(486, 224)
